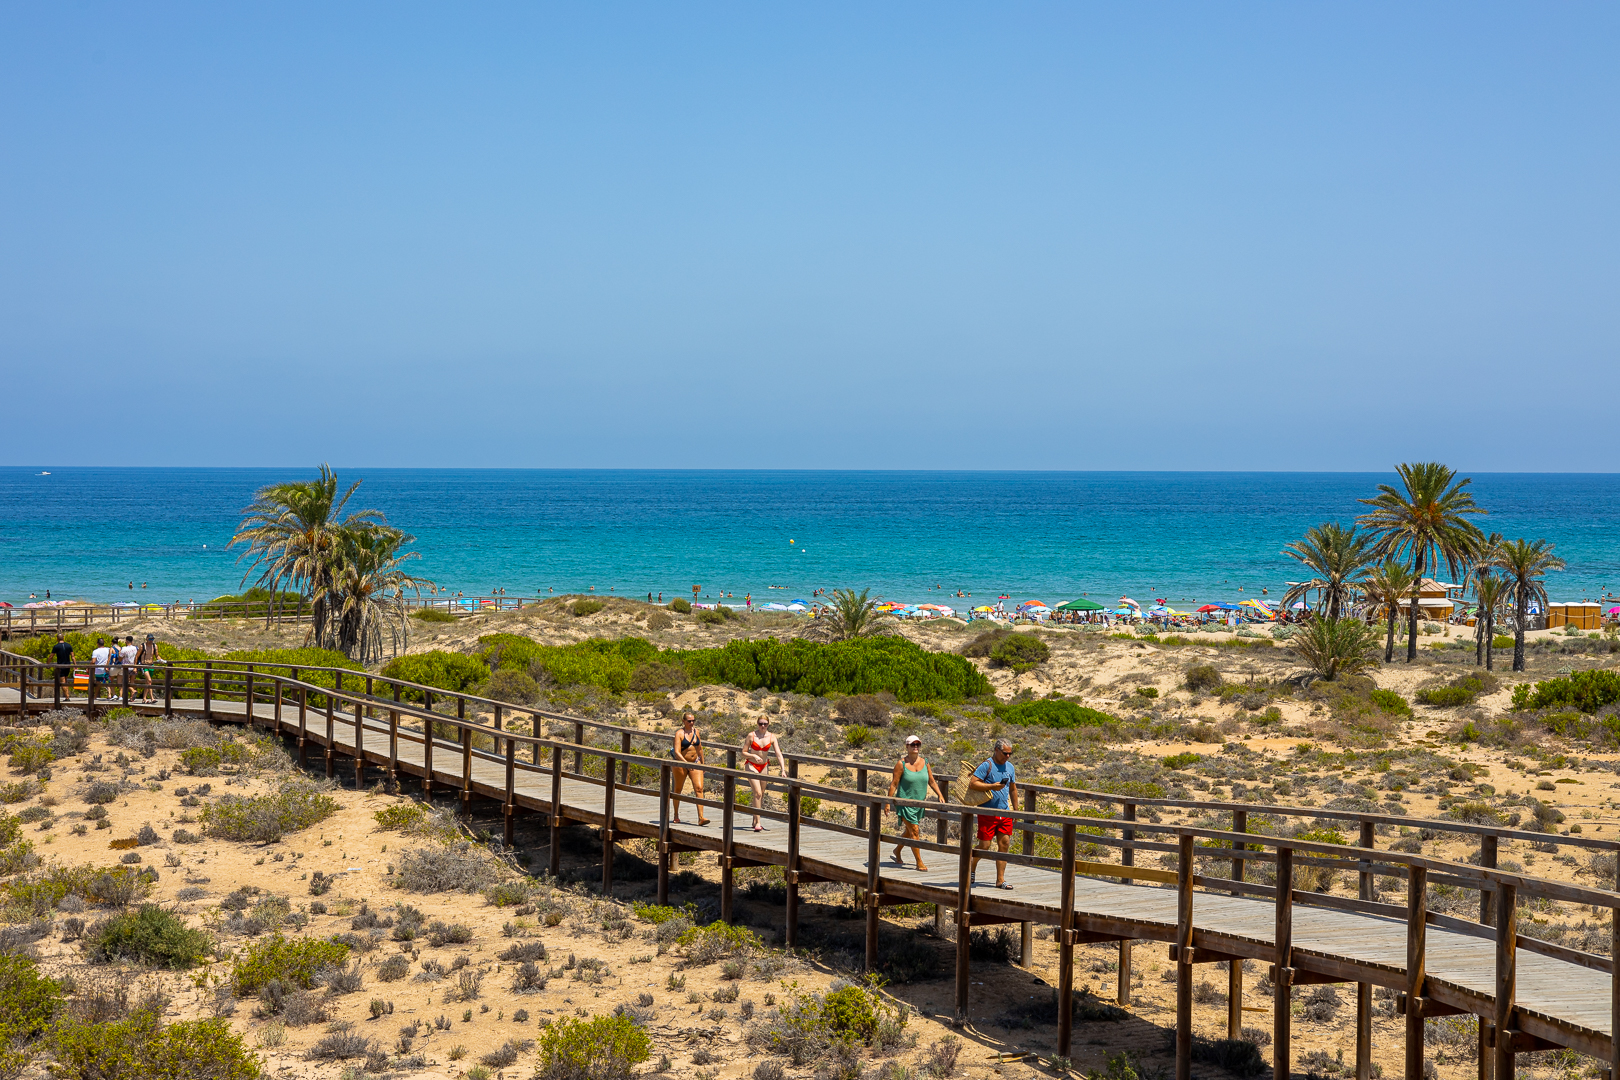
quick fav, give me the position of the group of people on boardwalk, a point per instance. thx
(995, 781)
(110, 661)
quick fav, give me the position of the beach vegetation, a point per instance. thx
(1051, 713)
(1584, 691)
(433, 615)
(869, 710)
(292, 962)
(1337, 556)
(681, 606)
(607, 1047)
(295, 805)
(1426, 521)
(457, 867)
(142, 1046)
(1463, 690)
(1492, 592)
(1335, 647)
(516, 687)
(150, 936)
(442, 670)
(29, 1004)
(1020, 652)
(256, 603)
(1525, 563)
(1386, 586)
(653, 676)
(1202, 678)
(581, 608)
(849, 615)
(717, 615)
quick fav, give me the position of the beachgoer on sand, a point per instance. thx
(761, 742)
(998, 777)
(688, 748)
(912, 779)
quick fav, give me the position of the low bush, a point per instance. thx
(29, 758)
(29, 1003)
(602, 1048)
(441, 670)
(142, 1046)
(101, 792)
(291, 961)
(405, 817)
(393, 969)
(433, 615)
(680, 606)
(857, 736)
(1390, 702)
(516, 687)
(717, 941)
(456, 868)
(149, 936)
(867, 710)
(581, 608)
(440, 934)
(1020, 652)
(1202, 678)
(1052, 713)
(1587, 691)
(1460, 691)
(297, 805)
(109, 886)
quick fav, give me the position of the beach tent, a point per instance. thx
(797, 605)
(1081, 604)
(774, 607)
(806, 603)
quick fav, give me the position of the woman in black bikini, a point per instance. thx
(688, 748)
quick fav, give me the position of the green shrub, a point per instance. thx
(401, 817)
(603, 1048)
(433, 615)
(517, 687)
(142, 1047)
(586, 607)
(1445, 696)
(206, 760)
(267, 818)
(710, 617)
(857, 736)
(1020, 652)
(149, 936)
(1147, 691)
(291, 961)
(1202, 678)
(441, 670)
(1501, 641)
(112, 886)
(29, 1003)
(652, 676)
(1475, 813)
(1052, 713)
(1181, 761)
(716, 941)
(29, 758)
(659, 914)
(680, 606)
(1587, 691)
(1390, 702)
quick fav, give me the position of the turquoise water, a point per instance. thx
(87, 533)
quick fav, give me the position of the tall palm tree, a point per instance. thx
(1491, 592)
(291, 534)
(1386, 586)
(367, 590)
(1425, 522)
(1524, 562)
(1480, 564)
(1338, 556)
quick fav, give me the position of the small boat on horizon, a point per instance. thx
(42, 474)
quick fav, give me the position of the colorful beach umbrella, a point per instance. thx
(1207, 608)
(1082, 604)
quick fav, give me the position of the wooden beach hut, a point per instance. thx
(1586, 615)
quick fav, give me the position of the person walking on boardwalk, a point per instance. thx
(997, 777)
(63, 652)
(146, 658)
(688, 748)
(761, 742)
(102, 657)
(912, 779)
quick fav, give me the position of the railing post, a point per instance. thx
(208, 690)
(728, 815)
(555, 854)
(359, 746)
(56, 684)
(303, 723)
(247, 711)
(277, 714)
(168, 689)
(874, 896)
(663, 835)
(579, 738)
(1184, 956)
(497, 728)
(427, 745)
(1066, 947)
(90, 694)
(1282, 973)
(510, 809)
(942, 834)
(792, 873)
(1417, 905)
(609, 790)
(393, 749)
(466, 770)
(331, 735)
(123, 678)
(860, 808)
(1234, 974)
(1026, 942)
(624, 766)
(1127, 857)
(964, 916)
(1364, 990)
(1507, 941)
(534, 729)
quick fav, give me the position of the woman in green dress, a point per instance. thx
(912, 780)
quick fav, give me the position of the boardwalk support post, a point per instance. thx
(427, 745)
(359, 746)
(1417, 904)
(168, 690)
(1487, 860)
(554, 856)
(663, 835)
(1234, 974)
(608, 792)
(728, 817)
(510, 808)
(1066, 947)
(303, 724)
(1184, 956)
(208, 689)
(964, 919)
(942, 836)
(792, 873)
(1127, 857)
(874, 839)
(1026, 940)
(1282, 974)
(1507, 934)
(331, 728)
(1364, 990)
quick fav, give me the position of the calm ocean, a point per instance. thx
(87, 533)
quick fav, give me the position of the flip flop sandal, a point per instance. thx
(1002, 885)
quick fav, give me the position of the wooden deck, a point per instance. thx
(1558, 1002)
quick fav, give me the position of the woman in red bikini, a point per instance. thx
(761, 743)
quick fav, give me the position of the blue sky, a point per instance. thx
(1036, 236)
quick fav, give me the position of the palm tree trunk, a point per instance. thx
(1417, 590)
(1490, 634)
(1521, 601)
(1479, 638)
(1389, 643)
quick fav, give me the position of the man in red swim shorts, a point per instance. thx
(997, 777)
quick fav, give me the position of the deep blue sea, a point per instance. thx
(909, 536)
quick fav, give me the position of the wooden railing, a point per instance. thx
(356, 698)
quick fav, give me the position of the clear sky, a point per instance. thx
(1048, 236)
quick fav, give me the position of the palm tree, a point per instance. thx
(1386, 585)
(1426, 522)
(367, 589)
(1335, 647)
(291, 533)
(848, 615)
(1524, 562)
(1337, 555)
(1491, 591)
(1481, 563)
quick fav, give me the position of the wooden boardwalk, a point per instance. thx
(1553, 1001)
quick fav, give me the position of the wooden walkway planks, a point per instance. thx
(1561, 1001)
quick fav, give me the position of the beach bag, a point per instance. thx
(968, 796)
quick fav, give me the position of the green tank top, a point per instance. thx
(913, 783)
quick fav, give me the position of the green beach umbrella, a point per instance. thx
(1081, 604)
